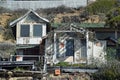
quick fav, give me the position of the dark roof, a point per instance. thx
(30, 11)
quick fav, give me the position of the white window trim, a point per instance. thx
(31, 29)
(20, 30)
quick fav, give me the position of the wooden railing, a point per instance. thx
(27, 58)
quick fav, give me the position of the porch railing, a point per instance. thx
(27, 57)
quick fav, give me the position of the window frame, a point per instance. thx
(33, 29)
(21, 30)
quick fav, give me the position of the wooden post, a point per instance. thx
(87, 40)
(55, 50)
(45, 59)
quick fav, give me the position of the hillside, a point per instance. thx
(93, 13)
(55, 15)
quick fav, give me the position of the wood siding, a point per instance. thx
(31, 39)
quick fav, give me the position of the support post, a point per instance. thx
(55, 50)
(87, 41)
(45, 58)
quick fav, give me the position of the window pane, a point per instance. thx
(37, 30)
(25, 31)
(69, 47)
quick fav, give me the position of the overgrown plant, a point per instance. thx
(108, 71)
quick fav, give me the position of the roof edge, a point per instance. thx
(20, 18)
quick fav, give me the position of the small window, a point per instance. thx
(37, 30)
(25, 31)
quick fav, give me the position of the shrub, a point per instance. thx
(59, 9)
(101, 6)
(4, 10)
(109, 71)
(8, 34)
(63, 64)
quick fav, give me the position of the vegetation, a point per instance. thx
(109, 71)
(4, 10)
(67, 64)
(6, 49)
(101, 6)
(113, 18)
(111, 53)
(19, 69)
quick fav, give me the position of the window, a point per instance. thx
(69, 47)
(37, 30)
(25, 31)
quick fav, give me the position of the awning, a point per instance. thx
(25, 46)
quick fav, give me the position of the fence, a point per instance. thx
(13, 5)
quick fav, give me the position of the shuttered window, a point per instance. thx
(25, 30)
(37, 30)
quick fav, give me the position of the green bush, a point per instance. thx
(101, 6)
(8, 34)
(113, 18)
(109, 71)
(63, 64)
(80, 65)
(19, 69)
(111, 53)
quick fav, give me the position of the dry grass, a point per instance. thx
(4, 18)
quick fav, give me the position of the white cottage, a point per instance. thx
(30, 32)
(71, 44)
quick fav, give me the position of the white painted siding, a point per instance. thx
(31, 39)
(28, 40)
(97, 51)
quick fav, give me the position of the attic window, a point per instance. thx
(25, 30)
(37, 30)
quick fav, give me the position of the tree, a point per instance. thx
(113, 20)
(101, 6)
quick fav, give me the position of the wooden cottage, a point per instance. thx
(71, 44)
(30, 33)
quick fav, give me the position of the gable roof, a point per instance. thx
(30, 11)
